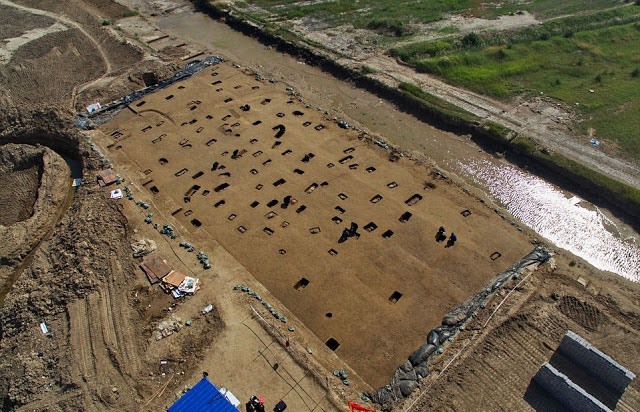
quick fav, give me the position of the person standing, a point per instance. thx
(452, 240)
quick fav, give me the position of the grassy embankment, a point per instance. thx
(557, 59)
(396, 16)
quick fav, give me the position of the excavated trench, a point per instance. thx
(36, 168)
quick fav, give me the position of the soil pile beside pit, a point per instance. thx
(35, 184)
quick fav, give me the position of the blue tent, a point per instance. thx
(203, 397)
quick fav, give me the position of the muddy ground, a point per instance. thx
(80, 279)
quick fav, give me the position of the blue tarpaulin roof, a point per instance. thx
(203, 397)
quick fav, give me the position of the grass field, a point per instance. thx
(394, 15)
(605, 61)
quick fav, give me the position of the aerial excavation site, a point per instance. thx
(315, 206)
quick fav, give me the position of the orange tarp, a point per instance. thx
(174, 278)
(354, 407)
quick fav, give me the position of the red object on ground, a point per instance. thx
(261, 399)
(357, 408)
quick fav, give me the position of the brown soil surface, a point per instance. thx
(19, 194)
(525, 333)
(175, 136)
(28, 21)
(74, 271)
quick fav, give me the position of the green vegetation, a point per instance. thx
(130, 13)
(106, 22)
(566, 68)
(367, 70)
(436, 103)
(394, 15)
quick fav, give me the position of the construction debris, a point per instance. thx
(143, 247)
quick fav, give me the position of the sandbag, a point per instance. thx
(433, 338)
(421, 354)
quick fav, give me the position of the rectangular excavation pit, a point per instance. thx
(413, 199)
(219, 203)
(268, 231)
(221, 187)
(232, 216)
(279, 182)
(271, 215)
(465, 213)
(345, 159)
(370, 227)
(196, 222)
(342, 196)
(188, 213)
(332, 344)
(336, 220)
(405, 217)
(154, 190)
(254, 204)
(370, 169)
(301, 209)
(314, 230)
(333, 252)
(395, 297)
(376, 199)
(340, 210)
(311, 188)
(242, 229)
(301, 284)
(387, 234)
(175, 212)
(307, 157)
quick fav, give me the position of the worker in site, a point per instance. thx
(452, 240)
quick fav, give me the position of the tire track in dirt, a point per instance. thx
(80, 350)
(123, 336)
